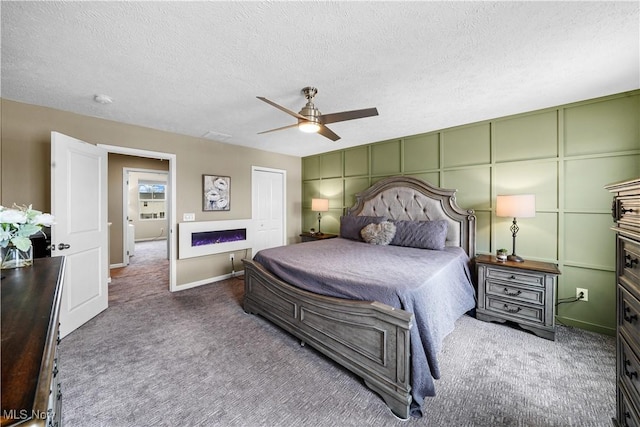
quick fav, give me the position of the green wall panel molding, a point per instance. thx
(589, 240)
(539, 178)
(564, 155)
(331, 165)
(332, 189)
(483, 232)
(467, 145)
(422, 153)
(310, 190)
(606, 126)
(473, 185)
(595, 314)
(526, 137)
(385, 158)
(353, 186)
(585, 180)
(356, 161)
(430, 177)
(311, 167)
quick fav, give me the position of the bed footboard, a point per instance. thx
(368, 338)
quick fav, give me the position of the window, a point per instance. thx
(151, 199)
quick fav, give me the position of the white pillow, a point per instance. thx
(379, 234)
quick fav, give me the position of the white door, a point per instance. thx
(268, 206)
(79, 205)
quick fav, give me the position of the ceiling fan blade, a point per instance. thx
(282, 128)
(348, 115)
(328, 133)
(281, 108)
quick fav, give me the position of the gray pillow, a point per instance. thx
(379, 234)
(350, 226)
(421, 234)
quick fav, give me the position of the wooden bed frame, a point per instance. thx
(370, 339)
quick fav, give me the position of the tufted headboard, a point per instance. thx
(407, 198)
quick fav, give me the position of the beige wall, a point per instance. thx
(25, 176)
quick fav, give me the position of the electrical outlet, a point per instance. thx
(161, 231)
(585, 294)
(232, 257)
(189, 217)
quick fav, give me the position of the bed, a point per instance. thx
(346, 309)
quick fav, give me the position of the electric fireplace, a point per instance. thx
(213, 237)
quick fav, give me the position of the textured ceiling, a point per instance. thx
(195, 67)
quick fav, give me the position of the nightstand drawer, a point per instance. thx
(514, 310)
(519, 293)
(515, 276)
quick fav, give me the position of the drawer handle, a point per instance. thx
(629, 318)
(511, 309)
(630, 261)
(512, 277)
(624, 211)
(628, 373)
(511, 294)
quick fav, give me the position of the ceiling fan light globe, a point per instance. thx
(309, 127)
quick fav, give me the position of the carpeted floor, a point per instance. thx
(194, 358)
(147, 273)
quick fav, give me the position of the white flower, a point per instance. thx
(44, 219)
(20, 222)
(12, 216)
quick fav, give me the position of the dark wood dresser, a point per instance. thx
(626, 215)
(31, 298)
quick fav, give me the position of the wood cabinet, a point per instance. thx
(626, 216)
(521, 292)
(31, 296)
(308, 237)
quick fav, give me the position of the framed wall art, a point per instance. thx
(216, 193)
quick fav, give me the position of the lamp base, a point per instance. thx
(514, 258)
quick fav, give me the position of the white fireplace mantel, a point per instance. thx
(186, 230)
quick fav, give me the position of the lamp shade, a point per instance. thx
(516, 206)
(320, 205)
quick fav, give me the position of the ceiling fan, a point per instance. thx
(311, 120)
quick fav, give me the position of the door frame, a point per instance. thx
(171, 182)
(282, 172)
(125, 204)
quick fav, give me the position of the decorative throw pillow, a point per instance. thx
(421, 234)
(350, 226)
(379, 234)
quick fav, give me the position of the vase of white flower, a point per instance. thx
(12, 257)
(17, 224)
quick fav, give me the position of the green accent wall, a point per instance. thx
(564, 155)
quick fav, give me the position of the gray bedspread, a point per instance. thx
(433, 285)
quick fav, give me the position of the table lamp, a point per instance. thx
(319, 205)
(516, 206)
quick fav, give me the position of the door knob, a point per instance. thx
(62, 246)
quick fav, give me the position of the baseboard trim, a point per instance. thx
(119, 265)
(210, 280)
(586, 326)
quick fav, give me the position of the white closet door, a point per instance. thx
(268, 205)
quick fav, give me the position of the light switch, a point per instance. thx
(189, 217)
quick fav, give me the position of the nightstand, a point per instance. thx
(520, 292)
(308, 237)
